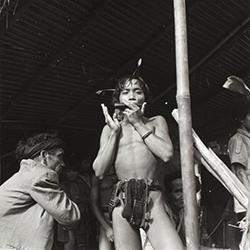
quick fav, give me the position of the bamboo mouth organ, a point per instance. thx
(120, 106)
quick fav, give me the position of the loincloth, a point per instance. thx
(134, 195)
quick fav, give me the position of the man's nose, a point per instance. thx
(131, 96)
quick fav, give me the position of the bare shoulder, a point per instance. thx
(158, 119)
(160, 126)
(106, 129)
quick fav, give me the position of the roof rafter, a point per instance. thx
(56, 58)
(10, 20)
(214, 51)
(131, 60)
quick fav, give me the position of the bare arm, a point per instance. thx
(96, 210)
(108, 144)
(241, 174)
(158, 141)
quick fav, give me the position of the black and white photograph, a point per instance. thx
(125, 124)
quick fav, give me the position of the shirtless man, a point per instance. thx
(100, 196)
(136, 146)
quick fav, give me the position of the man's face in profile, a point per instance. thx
(55, 160)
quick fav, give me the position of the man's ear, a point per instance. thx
(43, 154)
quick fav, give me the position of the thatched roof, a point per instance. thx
(56, 54)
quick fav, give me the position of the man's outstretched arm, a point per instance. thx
(108, 144)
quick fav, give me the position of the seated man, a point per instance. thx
(173, 197)
(136, 145)
(174, 205)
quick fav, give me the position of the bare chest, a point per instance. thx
(133, 159)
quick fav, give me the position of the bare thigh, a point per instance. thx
(161, 232)
(126, 236)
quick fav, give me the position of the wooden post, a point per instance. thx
(185, 128)
(0, 156)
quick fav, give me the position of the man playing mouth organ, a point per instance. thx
(136, 146)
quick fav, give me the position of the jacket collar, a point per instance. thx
(243, 132)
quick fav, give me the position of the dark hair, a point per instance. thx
(210, 138)
(73, 163)
(241, 109)
(168, 178)
(122, 83)
(35, 144)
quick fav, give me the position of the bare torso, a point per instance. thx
(134, 159)
(105, 189)
(122, 146)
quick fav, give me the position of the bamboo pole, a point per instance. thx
(229, 179)
(185, 128)
(216, 167)
(0, 163)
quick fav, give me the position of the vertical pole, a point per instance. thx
(185, 128)
(0, 153)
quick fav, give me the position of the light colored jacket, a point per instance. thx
(30, 201)
(239, 152)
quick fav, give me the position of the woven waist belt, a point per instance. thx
(134, 194)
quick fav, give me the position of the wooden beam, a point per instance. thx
(131, 60)
(56, 58)
(34, 126)
(214, 51)
(20, 9)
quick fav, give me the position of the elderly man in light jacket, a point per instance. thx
(31, 199)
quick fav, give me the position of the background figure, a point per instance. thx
(239, 151)
(31, 200)
(216, 204)
(174, 164)
(173, 198)
(173, 201)
(174, 205)
(100, 196)
(86, 171)
(78, 191)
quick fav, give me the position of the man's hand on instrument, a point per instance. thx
(134, 113)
